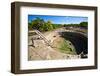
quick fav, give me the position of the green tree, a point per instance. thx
(49, 25)
(83, 24)
(37, 23)
(30, 26)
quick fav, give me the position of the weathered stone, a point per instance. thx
(38, 43)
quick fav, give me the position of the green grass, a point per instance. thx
(66, 47)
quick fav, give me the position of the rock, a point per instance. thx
(38, 43)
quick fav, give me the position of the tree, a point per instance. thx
(49, 25)
(37, 23)
(83, 24)
(30, 25)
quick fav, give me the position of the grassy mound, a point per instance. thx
(64, 46)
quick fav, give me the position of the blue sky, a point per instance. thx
(59, 19)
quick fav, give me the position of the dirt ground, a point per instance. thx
(45, 52)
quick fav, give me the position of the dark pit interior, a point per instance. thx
(79, 41)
